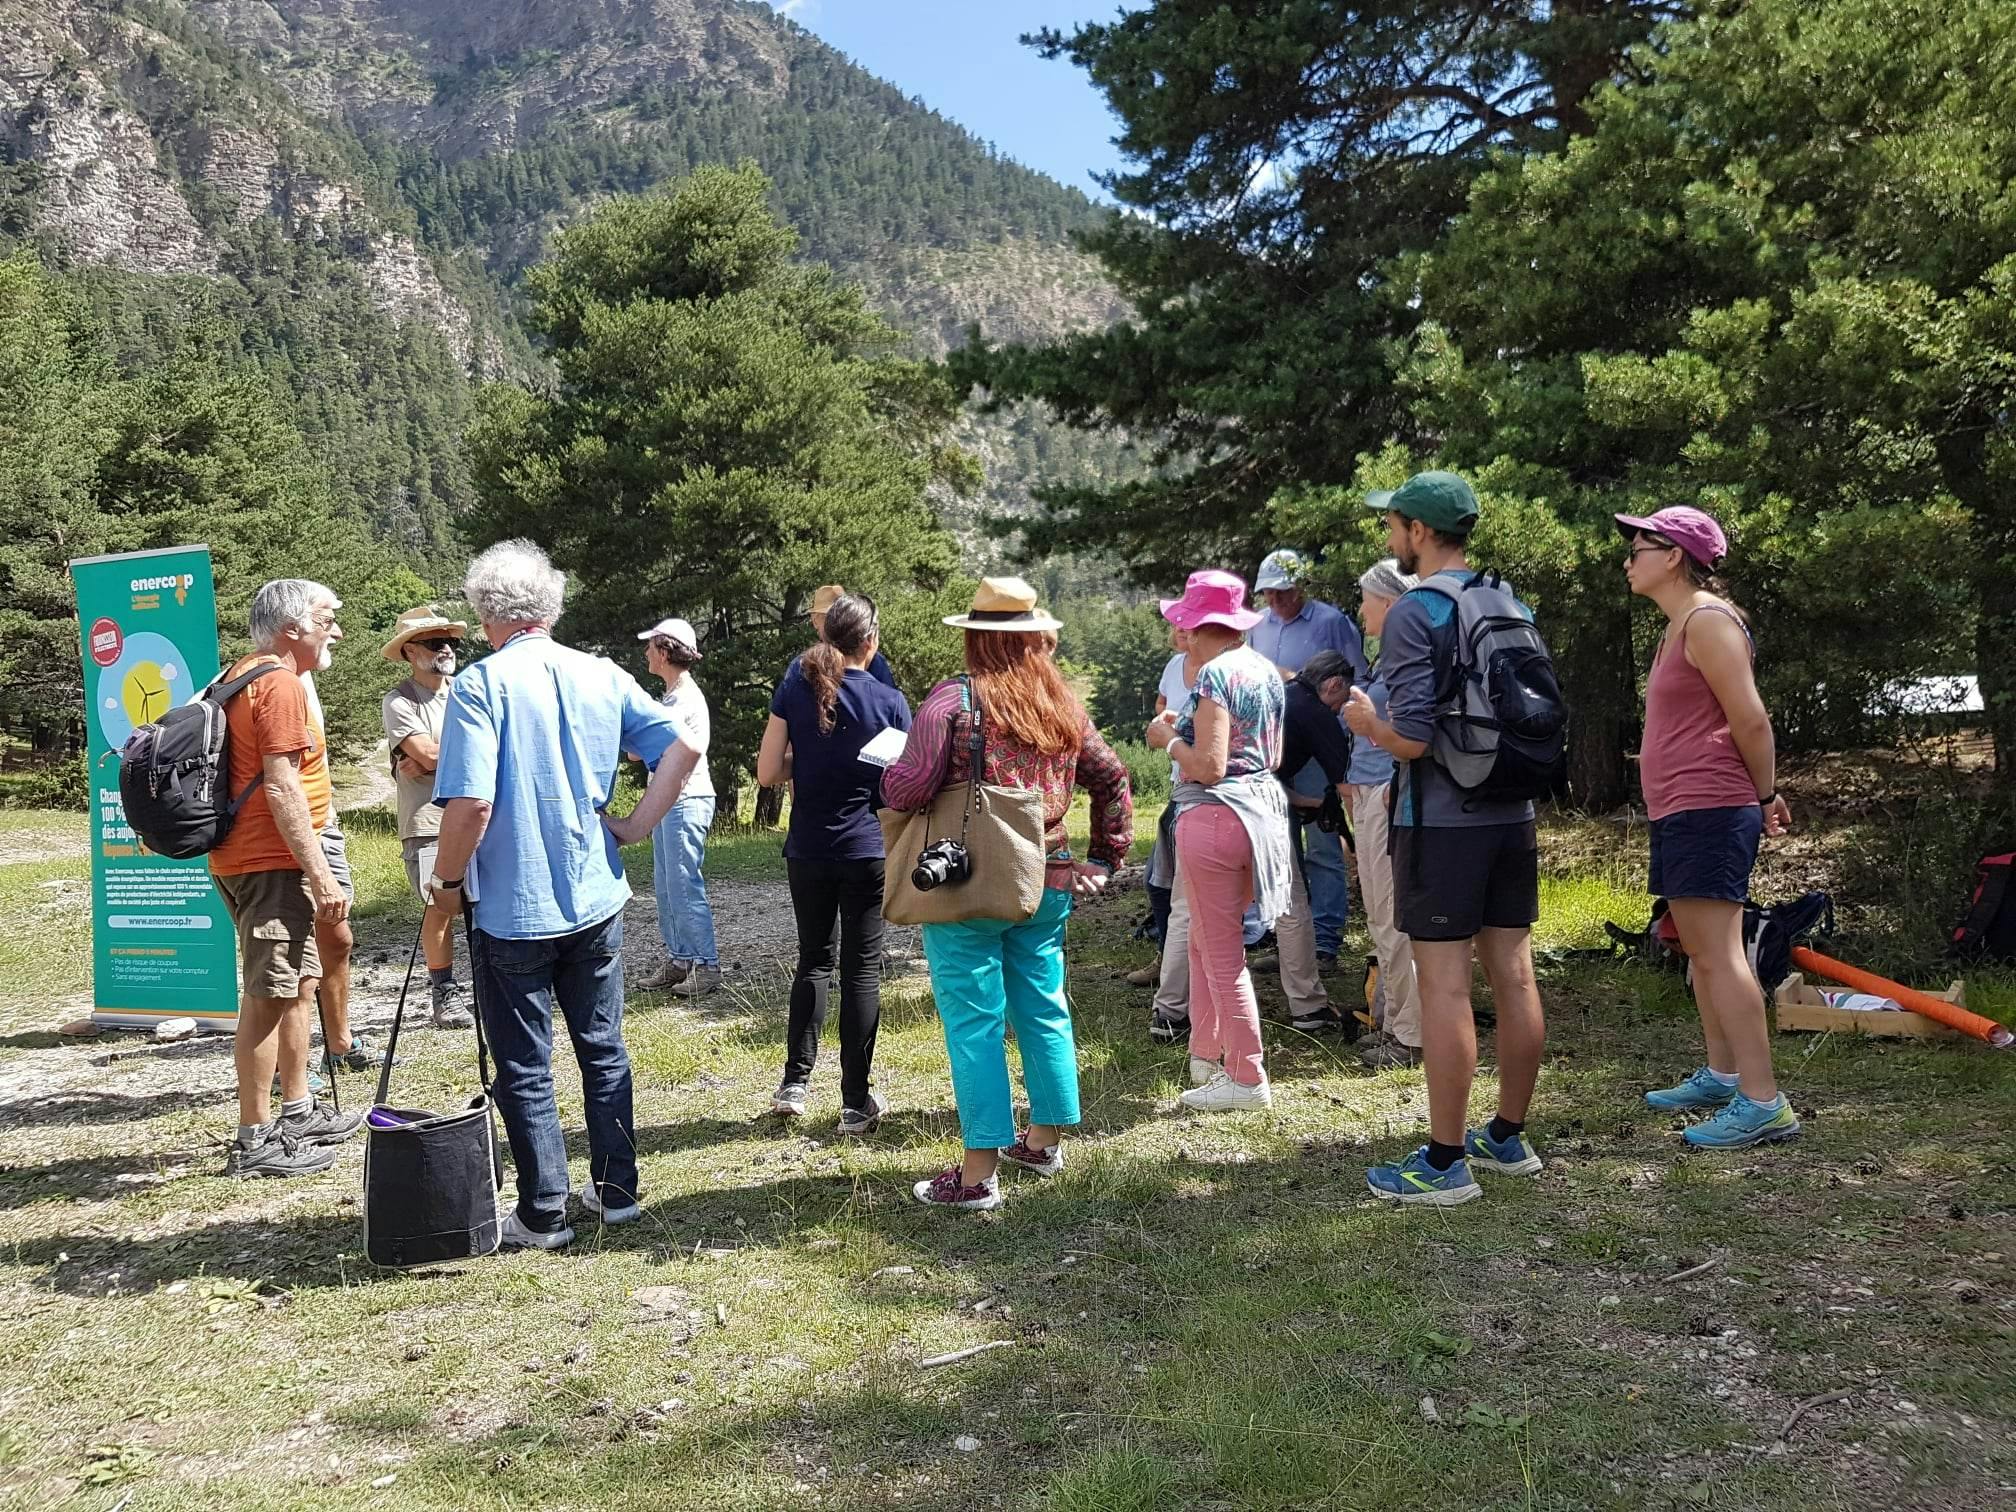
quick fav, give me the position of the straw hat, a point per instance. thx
(423, 620)
(824, 598)
(1004, 604)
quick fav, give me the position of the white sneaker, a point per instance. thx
(517, 1236)
(789, 1099)
(1221, 1094)
(630, 1212)
(859, 1122)
(1201, 1070)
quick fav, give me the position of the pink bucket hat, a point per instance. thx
(1689, 529)
(1211, 597)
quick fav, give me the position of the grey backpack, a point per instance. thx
(1500, 721)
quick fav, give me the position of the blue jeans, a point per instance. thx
(1323, 867)
(519, 984)
(678, 852)
(990, 976)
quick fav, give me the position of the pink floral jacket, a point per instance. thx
(943, 728)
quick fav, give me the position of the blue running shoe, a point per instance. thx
(1700, 1090)
(1414, 1180)
(1511, 1157)
(1745, 1122)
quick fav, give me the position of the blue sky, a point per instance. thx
(962, 59)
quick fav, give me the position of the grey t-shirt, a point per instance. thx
(410, 709)
(1420, 637)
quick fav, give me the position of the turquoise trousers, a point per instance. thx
(989, 976)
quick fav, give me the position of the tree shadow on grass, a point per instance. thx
(83, 1109)
(92, 1178)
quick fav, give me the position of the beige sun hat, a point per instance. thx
(1004, 604)
(417, 622)
(824, 598)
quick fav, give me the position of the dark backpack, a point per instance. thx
(1500, 721)
(1769, 933)
(173, 774)
(1989, 930)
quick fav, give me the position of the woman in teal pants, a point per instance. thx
(990, 975)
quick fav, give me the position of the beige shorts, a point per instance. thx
(275, 915)
(420, 851)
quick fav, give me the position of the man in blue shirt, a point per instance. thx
(1295, 629)
(1466, 874)
(530, 744)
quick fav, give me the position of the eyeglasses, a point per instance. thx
(1638, 551)
(439, 644)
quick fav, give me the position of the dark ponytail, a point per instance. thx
(850, 625)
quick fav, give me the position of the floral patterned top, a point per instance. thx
(943, 729)
(1247, 687)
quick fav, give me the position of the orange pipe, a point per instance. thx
(1949, 1014)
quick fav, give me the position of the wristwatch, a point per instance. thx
(439, 883)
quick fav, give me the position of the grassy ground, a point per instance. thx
(1202, 1313)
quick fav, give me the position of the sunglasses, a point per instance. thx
(1638, 551)
(439, 643)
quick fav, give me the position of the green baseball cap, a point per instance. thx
(1438, 499)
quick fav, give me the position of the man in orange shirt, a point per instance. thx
(277, 883)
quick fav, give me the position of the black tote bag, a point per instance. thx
(431, 1179)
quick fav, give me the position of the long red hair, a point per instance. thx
(1022, 691)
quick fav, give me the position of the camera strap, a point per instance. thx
(976, 759)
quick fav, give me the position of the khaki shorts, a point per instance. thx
(420, 851)
(275, 915)
(336, 851)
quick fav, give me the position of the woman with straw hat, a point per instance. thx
(1231, 832)
(989, 975)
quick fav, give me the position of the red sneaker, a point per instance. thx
(947, 1189)
(1043, 1162)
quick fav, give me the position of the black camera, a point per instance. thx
(940, 862)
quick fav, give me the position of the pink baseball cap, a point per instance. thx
(1212, 597)
(1689, 529)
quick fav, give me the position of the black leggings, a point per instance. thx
(839, 909)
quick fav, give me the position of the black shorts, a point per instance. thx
(1450, 883)
(1706, 853)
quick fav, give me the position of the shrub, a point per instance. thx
(1147, 770)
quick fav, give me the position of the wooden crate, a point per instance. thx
(1801, 1007)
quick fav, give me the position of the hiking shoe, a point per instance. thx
(1326, 962)
(592, 1203)
(1509, 1157)
(948, 1190)
(1166, 1031)
(362, 1055)
(321, 1125)
(1329, 1019)
(454, 1008)
(1148, 976)
(315, 1082)
(700, 981)
(1745, 1122)
(1043, 1162)
(1382, 1052)
(789, 1100)
(670, 974)
(276, 1153)
(517, 1236)
(1414, 1180)
(1267, 961)
(1699, 1090)
(857, 1121)
(1221, 1094)
(1202, 1070)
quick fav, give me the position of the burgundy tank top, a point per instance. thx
(1688, 760)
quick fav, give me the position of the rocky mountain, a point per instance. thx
(354, 188)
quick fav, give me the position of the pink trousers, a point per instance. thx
(1217, 877)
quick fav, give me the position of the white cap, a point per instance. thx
(1279, 570)
(674, 629)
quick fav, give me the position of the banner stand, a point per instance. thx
(162, 945)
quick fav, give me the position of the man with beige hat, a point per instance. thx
(427, 642)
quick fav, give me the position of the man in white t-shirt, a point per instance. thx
(1172, 693)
